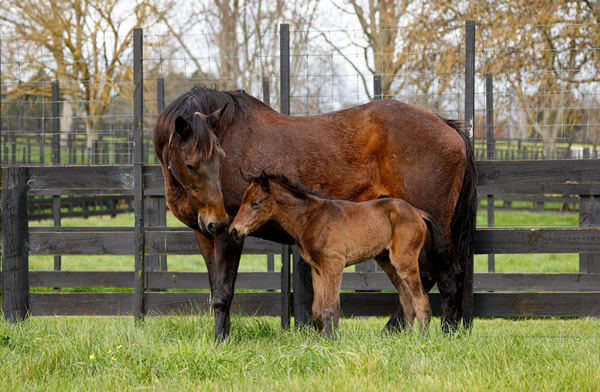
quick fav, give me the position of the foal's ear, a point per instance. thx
(213, 118)
(182, 127)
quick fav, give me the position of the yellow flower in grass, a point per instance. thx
(92, 357)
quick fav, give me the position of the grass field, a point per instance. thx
(178, 353)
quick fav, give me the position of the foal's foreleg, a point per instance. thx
(326, 302)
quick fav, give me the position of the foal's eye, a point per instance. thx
(189, 167)
(256, 204)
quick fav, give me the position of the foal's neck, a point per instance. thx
(293, 212)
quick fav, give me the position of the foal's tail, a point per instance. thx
(438, 240)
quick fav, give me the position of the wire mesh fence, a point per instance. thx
(546, 102)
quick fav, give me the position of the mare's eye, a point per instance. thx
(189, 167)
(256, 204)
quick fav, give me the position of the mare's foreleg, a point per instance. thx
(222, 257)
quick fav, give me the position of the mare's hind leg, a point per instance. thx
(405, 314)
(450, 283)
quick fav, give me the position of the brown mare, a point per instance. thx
(384, 148)
(332, 234)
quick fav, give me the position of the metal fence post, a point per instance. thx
(138, 192)
(15, 244)
(467, 305)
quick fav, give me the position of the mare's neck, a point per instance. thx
(292, 213)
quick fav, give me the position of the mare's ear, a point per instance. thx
(182, 127)
(263, 180)
(213, 118)
(247, 176)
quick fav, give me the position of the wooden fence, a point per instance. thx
(496, 294)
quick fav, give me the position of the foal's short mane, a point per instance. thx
(206, 101)
(294, 187)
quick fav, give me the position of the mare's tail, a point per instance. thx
(462, 226)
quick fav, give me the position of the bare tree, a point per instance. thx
(543, 51)
(83, 44)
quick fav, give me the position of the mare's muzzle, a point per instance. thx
(214, 227)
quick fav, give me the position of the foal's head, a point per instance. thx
(256, 208)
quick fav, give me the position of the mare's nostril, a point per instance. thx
(234, 232)
(212, 228)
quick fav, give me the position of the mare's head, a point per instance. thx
(256, 208)
(194, 159)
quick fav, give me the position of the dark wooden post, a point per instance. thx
(490, 149)
(371, 266)
(56, 204)
(286, 293)
(469, 116)
(55, 123)
(15, 244)
(266, 95)
(138, 191)
(377, 93)
(302, 281)
(589, 215)
(162, 206)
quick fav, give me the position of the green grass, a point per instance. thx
(178, 353)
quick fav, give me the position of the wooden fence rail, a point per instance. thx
(535, 294)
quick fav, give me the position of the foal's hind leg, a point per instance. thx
(406, 261)
(405, 313)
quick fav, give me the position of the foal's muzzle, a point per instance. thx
(236, 235)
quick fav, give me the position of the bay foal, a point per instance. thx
(333, 234)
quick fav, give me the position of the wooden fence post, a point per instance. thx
(138, 191)
(370, 265)
(286, 300)
(490, 150)
(589, 215)
(162, 206)
(377, 93)
(266, 95)
(467, 304)
(56, 203)
(15, 244)
(302, 285)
